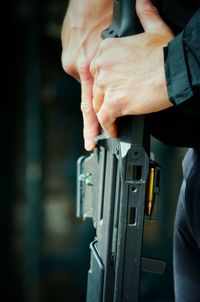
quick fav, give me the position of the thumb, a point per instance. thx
(150, 17)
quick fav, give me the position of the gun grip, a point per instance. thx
(124, 20)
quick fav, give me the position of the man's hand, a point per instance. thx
(129, 77)
(81, 36)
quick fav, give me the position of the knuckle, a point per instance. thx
(86, 107)
(112, 109)
(103, 116)
(67, 64)
(83, 69)
(102, 58)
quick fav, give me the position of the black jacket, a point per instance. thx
(179, 125)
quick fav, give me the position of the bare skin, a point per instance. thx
(81, 37)
(126, 75)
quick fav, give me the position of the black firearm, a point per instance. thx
(117, 186)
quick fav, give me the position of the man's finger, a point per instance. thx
(107, 121)
(90, 122)
(150, 17)
(98, 97)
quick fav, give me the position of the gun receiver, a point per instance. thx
(112, 188)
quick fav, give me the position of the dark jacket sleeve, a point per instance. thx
(182, 67)
(179, 125)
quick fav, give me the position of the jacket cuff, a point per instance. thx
(178, 85)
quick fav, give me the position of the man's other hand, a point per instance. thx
(129, 76)
(81, 36)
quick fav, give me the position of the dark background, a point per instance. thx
(44, 250)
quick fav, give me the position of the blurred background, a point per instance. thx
(44, 250)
